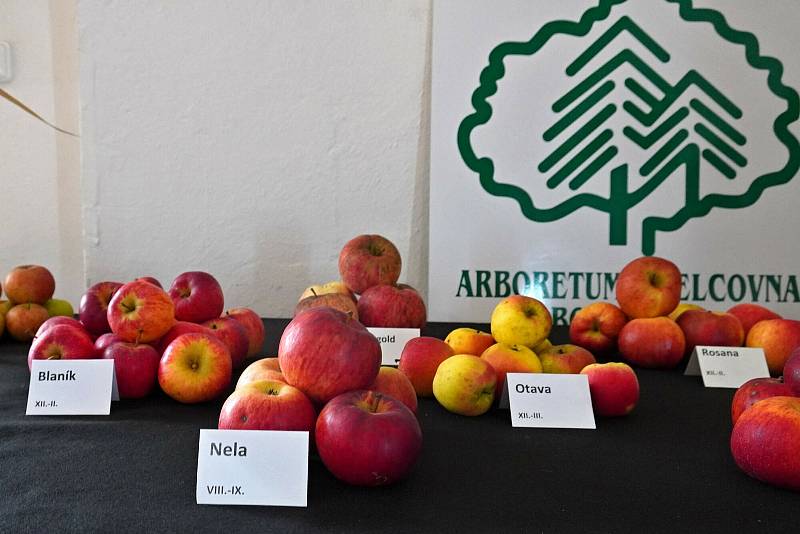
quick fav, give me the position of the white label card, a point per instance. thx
(727, 367)
(71, 387)
(543, 400)
(392, 341)
(255, 467)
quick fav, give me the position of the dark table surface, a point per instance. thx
(665, 468)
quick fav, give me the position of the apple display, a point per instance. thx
(93, 308)
(390, 306)
(465, 384)
(335, 286)
(197, 297)
(366, 438)
(324, 353)
(233, 334)
(656, 342)
(195, 368)
(565, 359)
(267, 405)
(713, 329)
(337, 301)
(29, 284)
(419, 360)
(614, 388)
(765, 442)
(140, 312)
(135, 366)
(469, 341)
(253, 327)
(369, 260)
(510, 359)
(521, 320)
(62, 342)
(779, 338)
(648, 287)
(393, 382)
(749, 314)
(755, 390)
(596, 327)
(263, 369)
(59, 308)
(791, 372)
(23, 320)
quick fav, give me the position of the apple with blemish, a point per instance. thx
(469, 341)
(648, 287)
(135, 366)
(419, 360)
(390, 306)
(596, 327)
(465, 384)
(391, 381)
(709, 328)
(140, 312)
(62, 342)
(656, 342)
(614, 388)
(93, 308)
(253, 327)
(749, 314)
(267, 405)
(23, 320)
(565, 359)
(195, 368)
(369, 260)
(510, 359)
(197, 297)
(337, 301)
(755, 390)
(779, 338)
(29, 284)
(521, 320)
(233, 335)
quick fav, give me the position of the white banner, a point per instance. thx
(570, 137)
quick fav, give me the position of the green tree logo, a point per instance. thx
(673, 124)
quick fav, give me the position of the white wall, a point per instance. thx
(39, 168)
(251, 139)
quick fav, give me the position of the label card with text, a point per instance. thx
(542, 400)
(727, 367)
(71, 387)
(255, 467)
(392, 341)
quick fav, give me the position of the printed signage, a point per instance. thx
(727, 367)
(546, 400)
(568, 138)
(71, 387)
(256, 467)
(392, 341)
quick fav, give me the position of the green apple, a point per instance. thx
(56, 307)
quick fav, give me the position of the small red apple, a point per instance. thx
(708, 328)
(30, 284)
(140, 312)
(369, 260)
(197, 296)
(62, 342)
(59, 319)
(267, 405)
(366, 438)
(93, 308)
(136, 368)
(105, 341)
(419, 360)
(391, 307)
(755, 390)
(392, 382)
(253, 327)
(195, 368)
(614, 388)
(233, 334)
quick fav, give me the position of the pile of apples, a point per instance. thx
(327, 378)
(178, 339)
(30, 303)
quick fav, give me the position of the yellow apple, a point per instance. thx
(465, 384)
(334, 286)
(521, 320)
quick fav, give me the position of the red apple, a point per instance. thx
(253, 327)
(469, 341)
(178, 329)
(749, 314)
(791, 372)
(419, 360)
(93, 308)
(652, 342)
(596, 327)
(151, 280)
(614, 388)
(765, 442)
(197, 296)
(369, 260)
(337, 301)
(140, 312)
(62, 342)
(324, 353)
(195, 368)
(565, 359)
(233, 334)
(30, 284)
(23, 320)
(393, 382)
(391, 307)
(367, 438)
(59, 319)
(510, 359)
(755, 390)
(648, 287)
(708, 328)
(778, 337)
(136, 368)
(267, 405)
(263, 369)
(105, 341)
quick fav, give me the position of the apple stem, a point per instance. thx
(373, 400)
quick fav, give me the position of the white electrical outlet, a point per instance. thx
(5, 62)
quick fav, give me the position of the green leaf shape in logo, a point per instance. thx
(674, 151)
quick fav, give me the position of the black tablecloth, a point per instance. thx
(666, 467)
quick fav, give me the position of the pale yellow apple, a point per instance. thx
(334, 286)
(682, 307)
(542, 346)
(465, 384)
(521, 320)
